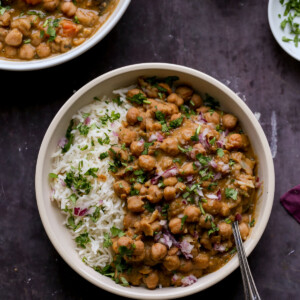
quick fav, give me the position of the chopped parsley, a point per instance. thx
(83, 129)
(53, 175)
(183, 221)
(107, 240)
(104, 141)
(80, 183)
(204, 160)
(103, 155)
(220, 152)
(146, 148)
(71, 223)
(82, 240)
(111, 118)
(138, 98)
(213, 229)
(69, 136)
(116, 232)
(185, 150)
(92, 172)
(176, 123)
(231, 193)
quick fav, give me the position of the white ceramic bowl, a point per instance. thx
(274, 9)
(103, 85)
(37, 64)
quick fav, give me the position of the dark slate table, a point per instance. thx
(229, 40)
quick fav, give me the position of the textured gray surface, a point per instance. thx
(229, 40)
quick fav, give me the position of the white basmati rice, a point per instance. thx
(95, 254)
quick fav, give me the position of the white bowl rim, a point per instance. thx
(129, 292)
(273, 29)
(39, 64)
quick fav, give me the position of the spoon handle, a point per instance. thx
(250, 290)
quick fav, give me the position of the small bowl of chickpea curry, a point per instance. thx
(36, 34)
(191, 159)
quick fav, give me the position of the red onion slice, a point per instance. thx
(238, 217)
(62, 142)
(115, 133)
(80, 212)
(152, 138)
(188, 280)
(170, 172)
(87, 121)
(219, 247)
(186, 249)
(211, 196)
(219, 194)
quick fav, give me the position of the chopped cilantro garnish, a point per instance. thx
(176, 123)
(183, 221)
(78, 182)
(69, 137)
(140, 119)
(138, 98)
(107, 240)
(116, 232)
(103, 155)
(53, 175)
(92, 172)
(104, 141)
(83, 129)
(220, 152)
(82, 240)
(146, 148)
(211, 102)
(252, 223)
(185, 150)
(231, 193)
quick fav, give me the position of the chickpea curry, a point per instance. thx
(34, 29)
(186, 171)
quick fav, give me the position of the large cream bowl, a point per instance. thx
(103, 85)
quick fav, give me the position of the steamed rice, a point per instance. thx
(83, 155)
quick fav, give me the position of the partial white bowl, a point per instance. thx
(38, 64)
(275, 9)
(103, 85)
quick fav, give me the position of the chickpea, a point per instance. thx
(171, 181)
(50, 5)
(125, 241)
(155, 194)
(132, 115)
(166, 163)
(229, 121)
(139, 248)
(201, 261)
(205, 222)
(135, 204)
(14, 37)
(180, 187)
(193, 213)
(196, 100)
(68, 9)
(171, 262)
(127, 136)
(3, 34)
(175, 225)
(147, 162)
(212, 206)
(5, 19)
(169, 193)
(176, 99)
(185, 92)
(234, 141)
(121, 187)
(244, 230)
(43, 50)
(198, 149)
(133, 92)
(212, 117)
(225, 230)
(185, 265)
(137, 147)
(158, 251)
(225, 210)
(151, 280)
(11, 51)
(27, 51)
(170, 146)
(188, 169)
(22, 24)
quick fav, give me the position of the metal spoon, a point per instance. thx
(250, 290)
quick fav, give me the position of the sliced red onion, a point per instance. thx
(157, 236)
(201, 118)
(189, 178)
(115, 133)
(184, 202)
(62, 142)
(163, 222)
(158, 208)
(87, 121)
(80, 212)
(217, 176)
(197, 164)
(175, 243)
(219, 194)
(226, 132)
(180, 216)
(175, 277)
(238, 217)
(199, 192)
(73, 188)
(62, 182)
(166, 240)
(141, 142)
(195, 235)
(186, 249)
(219, 247)
(160, 137)
(153, 138)
(211, 196)
(213, 164)
(188, 280)
(258, 183)
(225, 168)
(112, 124)
(100, 202)
(155, 179)
(170, 172)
